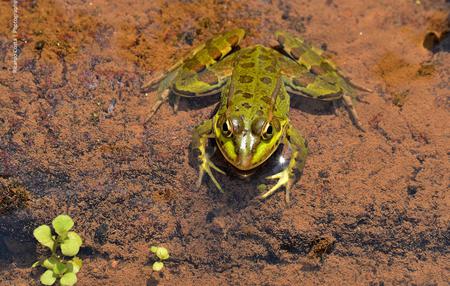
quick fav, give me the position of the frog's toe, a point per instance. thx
(206, 168)
(283, 180)
(163, 96)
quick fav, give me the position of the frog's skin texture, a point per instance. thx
(255, 85)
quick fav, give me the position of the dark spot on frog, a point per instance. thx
(263, 57)
(297, 52)
(214, 52)
(266, 99)
(265, 80)
(282, 97)
(270, 69)
(247, 95)
(317, 70)
(233, 40)
(246, 105)
(194, 65)
(208, 77)
(303, 80)
(248, 65)
(259, 113)
(245, 79)
(276, 124)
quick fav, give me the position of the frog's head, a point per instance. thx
(248, 142)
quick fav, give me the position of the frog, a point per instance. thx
(255, 84)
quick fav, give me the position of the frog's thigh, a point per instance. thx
(202, 57)
(206, 82)
(314, 87)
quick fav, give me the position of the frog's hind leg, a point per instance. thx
(315, 76)
(200, 73)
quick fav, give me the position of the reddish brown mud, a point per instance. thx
(370, 209)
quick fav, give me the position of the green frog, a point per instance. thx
(255, 83)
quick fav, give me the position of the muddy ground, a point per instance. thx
(370, 209)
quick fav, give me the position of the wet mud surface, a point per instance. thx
(370, 209)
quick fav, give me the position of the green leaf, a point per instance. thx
(50, 263)
(70, 247)
(60, 268)
(48, 278)
(74, 236)
(36, 264)
(75, 264)
(43, 234)
(153, 249)
(157, 266)
(68, 279)
(62, 224)
(162, 253)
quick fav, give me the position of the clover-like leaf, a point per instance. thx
(48, 278)
(157, 266)
(50, 263)
(74, 236)
(59, 268)
(75, 265)
(62, 224)
(43, 234)
(68, 279)
(71, 245)
(153, 249)
(162, 253)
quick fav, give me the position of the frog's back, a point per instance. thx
(256, 88)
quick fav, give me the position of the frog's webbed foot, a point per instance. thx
(206, 167)
(162, 84)
(287, 176)
(284, 179)
(200, 138)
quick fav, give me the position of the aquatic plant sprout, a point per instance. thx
(64, 244)
(162, 253)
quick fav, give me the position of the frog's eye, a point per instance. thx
(267, 131)
(226, 128)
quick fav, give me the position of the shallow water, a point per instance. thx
(370, 209)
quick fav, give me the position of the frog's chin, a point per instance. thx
(244, 173)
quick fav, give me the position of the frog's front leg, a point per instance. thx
(287, 176)
(199, 141)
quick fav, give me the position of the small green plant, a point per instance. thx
(64, 244)
(162, 253)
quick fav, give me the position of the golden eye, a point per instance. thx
(226, 128)
(267, 131)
